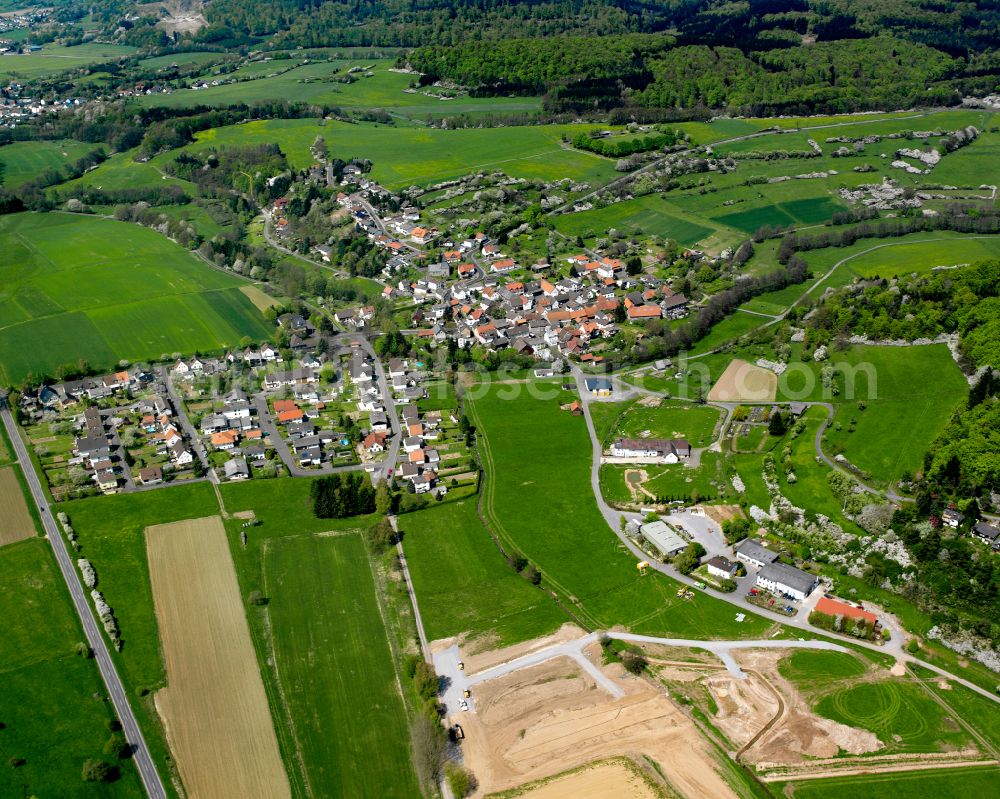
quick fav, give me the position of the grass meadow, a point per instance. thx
(53, 707)
(111, 535)
(906, 405)
(104, 291)
(954, 783)
(403, 156)
(537, 498)
(900, 711)
(53, 59)
(336, 668)
(26, 160)
(648, 215)
(463, 583)
(321, 642)
(696, 423)
(317, 82)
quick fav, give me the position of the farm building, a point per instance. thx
(668, 450)
(598, 386)
(829, 606)
(755, 554)
(781, 578)
(664, 538)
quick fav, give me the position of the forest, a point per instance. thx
(962, 301)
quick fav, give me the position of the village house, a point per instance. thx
(780, 578)
(721, 567)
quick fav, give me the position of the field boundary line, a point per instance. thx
(940, 700)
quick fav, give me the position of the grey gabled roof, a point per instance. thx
(756, 551)
(788, 576)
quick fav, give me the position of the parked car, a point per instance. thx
(464, 705)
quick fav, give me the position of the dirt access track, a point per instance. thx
(214, 707)
(744, 382)
(543, 720)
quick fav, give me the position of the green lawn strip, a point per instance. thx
(543, 506)
(111, 535)
(899, 711)
(53, 704)
(463, 583)
(953, 783)
(336, 667)
(532, 152)
(980, 713)
(26, 160)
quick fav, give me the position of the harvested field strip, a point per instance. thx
(16, 523)
(214, 706)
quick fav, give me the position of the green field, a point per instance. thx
(809, 669)
(907, 404)
(317, 83)
(904, 257)
(404, 156)
(958, 783)
(23, 161)
(901, 714)
(53, 59)
(463, 582)
(336, 667)
(53, 704)
(696, 423)
(649, 215)
(537, 497)
(900, 711)
(104, 291)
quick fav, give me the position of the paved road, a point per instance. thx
(457, 681)
(95, 638)
(893, 647)
(181, 415)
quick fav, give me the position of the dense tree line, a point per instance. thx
(341, 495)
(963, 301)
(651, 70)
(621, 146)
(226, 170)
(962, 218)
(663, 339)
(153, 195)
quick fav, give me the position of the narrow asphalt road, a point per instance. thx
(133, 734)
(893, 647)
(457, 681)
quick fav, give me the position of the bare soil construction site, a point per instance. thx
(535, 730)
(546, 719)
(214, 707)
